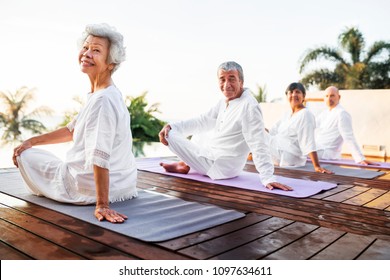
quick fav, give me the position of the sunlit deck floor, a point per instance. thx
(351, 221)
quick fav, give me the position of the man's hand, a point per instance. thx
(105, 213)
(280, 186)
(164, 134)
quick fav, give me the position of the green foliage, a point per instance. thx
(354, 68)
(144, 125)
(70, 114)
(261, 95)
(15, 119)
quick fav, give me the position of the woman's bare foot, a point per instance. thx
(176, 167)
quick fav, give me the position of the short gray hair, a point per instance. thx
(117, 52)
(230, 66)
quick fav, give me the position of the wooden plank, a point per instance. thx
(236, 239)
(330, 214)
(380, 250)
(347, 194)
(32, 245)
(304, 210)
(269, 243)
(9, 253)
(128, 245)
(365, 197)
(198, 237)
(338, 189)
(307, 246)
(217, 242)
(386, 176)
(381, 202)
(348, 247)
(76, 243)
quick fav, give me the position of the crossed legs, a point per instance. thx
(189, 153)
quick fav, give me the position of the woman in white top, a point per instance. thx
(100, 167)
(292, 137)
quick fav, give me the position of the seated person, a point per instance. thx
(100, 167)
(292, 137)
(236, 126)
(334, 127)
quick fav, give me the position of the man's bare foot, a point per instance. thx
(176, 167)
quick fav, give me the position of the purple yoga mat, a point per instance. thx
(351, 162)
(246, 180)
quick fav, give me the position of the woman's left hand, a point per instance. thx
(323, 170)
(19, 149)
(105, 213)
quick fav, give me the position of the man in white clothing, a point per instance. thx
(334, 127)
(236, 126)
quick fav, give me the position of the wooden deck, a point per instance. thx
(350, 222)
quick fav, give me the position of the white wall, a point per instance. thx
(370, 111)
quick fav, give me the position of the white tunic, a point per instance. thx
(292, 138)
(334, 127)
(102, 137)
(235, 129)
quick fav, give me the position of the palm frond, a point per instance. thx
(327, 53)
(352, 41)
(373, 71)
(376, 50)
(322, 78)
(14, 119)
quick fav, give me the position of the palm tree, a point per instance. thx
(354, 68)
(144, 125)
(15, 118)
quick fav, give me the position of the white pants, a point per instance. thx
(46, 175)
(43, 174)
(284, 158)
(195, 156)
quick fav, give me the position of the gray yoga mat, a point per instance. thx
(152, 216)
(350, 172)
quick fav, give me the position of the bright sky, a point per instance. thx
(174, 46)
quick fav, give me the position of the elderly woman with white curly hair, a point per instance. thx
(100, 167)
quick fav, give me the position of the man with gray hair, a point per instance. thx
(237, 128)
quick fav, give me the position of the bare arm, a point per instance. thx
(60, 135)
(316, 164)
(103, 211)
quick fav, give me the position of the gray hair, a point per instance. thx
(117, 52)
(231, 66)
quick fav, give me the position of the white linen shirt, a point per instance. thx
(294, 133)
(334, 127)
(102, 137)
(236, 128)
